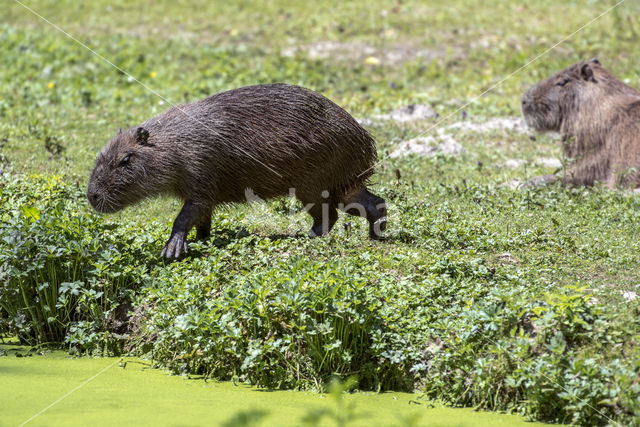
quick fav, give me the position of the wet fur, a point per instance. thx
(256, 140)
(599, 117)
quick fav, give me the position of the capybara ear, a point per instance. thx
(119, 131)
(142, 137)
(595, 61)
(587, 73)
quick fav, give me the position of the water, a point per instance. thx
(54, 389)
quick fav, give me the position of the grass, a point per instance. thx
(465, 249)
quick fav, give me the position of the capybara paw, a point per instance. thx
(383, 211)
(202, 236)
(378, 206)
(315, 233)
(176, 246)
(377, 227)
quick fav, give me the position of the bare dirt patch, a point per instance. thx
(359, 52)
(629, 295)
(512, 124)
(443, 141)
(429, 146)
(547, 162)
(408, 113)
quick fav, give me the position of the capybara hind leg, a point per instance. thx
(324, 217)
(363, 203)
(376, 215)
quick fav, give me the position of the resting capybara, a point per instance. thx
(599, 117)
(253, 142)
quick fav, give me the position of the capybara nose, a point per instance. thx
(527, 102)
(93, 198)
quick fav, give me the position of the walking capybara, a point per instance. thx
(599, 117)
(257, 141)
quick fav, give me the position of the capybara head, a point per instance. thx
(120, 176)
(597, 115)
(548, 105)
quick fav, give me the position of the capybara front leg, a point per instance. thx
(177, 243)
(324, 217)
(203, 226)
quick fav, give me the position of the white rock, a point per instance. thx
(515, 124)
(549, 162)
(513, 163)
(357, 51)
(506, 257)
(428, 146)
(409, 113)
(514, 184)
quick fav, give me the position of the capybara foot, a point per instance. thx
(319, 230)
(315, 232)
(377, 216)
(324, 217)
(376, 228)
(381, 207)
(176, 246)
(203, 232)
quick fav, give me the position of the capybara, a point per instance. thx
(599, 118)
(252, 142)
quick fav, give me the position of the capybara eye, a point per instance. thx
(125, 160)
(563, 82)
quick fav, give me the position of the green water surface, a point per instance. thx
(55, 389)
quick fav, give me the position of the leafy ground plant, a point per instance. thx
(66, 275)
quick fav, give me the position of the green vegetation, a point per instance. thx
(483, 296)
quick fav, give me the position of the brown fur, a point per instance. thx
(599, 117)
(258, 141)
